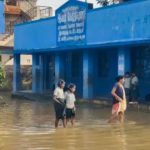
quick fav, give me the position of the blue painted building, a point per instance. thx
(2, 17)
(89, 47)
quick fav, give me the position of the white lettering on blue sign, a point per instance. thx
(71, 25)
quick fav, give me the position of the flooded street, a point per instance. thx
(27, 125)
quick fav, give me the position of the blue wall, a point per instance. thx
(2, 18)
(37, 34)
(103, 84)
(126, 23)
(119, 23)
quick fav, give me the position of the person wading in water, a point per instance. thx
(59, 103)
(119, 101)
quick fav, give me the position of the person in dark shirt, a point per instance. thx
(119, 100)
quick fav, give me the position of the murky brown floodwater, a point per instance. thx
(26, 125)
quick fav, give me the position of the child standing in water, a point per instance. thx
(70, 104)
(59, 103)
(119, 100)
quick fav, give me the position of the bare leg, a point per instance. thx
(56, 123)
(67, 120)
(121, 117)
(72, 121)
(64, 122)
(113, 118)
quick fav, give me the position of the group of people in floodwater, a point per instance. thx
(126, 87)
(131, 85)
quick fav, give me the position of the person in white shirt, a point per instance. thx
(127, 85)
(59, 103)
(134, 87)
(70, 104)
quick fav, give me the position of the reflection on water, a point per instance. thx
(26, 125)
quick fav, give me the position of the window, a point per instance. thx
(28, 60)
(102, 64)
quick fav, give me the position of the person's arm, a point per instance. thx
(113, 92)
(55, 96)
(55, 99)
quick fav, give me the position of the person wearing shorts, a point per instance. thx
(70, 104)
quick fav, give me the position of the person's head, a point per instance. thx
(127, 74)
(72, 87)
(133, 74)
(120, 79)
(61, 84)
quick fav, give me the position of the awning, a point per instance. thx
(108, 44)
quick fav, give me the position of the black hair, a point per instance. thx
(71, 85)
(119, 78)
(60, 82)
(127, 73)
(133, 72)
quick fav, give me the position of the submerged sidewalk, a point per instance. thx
(106, 102)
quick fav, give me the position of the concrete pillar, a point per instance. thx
(38, 73)
(124, 60)
(46, 72)
(59, 67)
(16, 73)
(35, 75)
(41, 73)
(87, 75)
